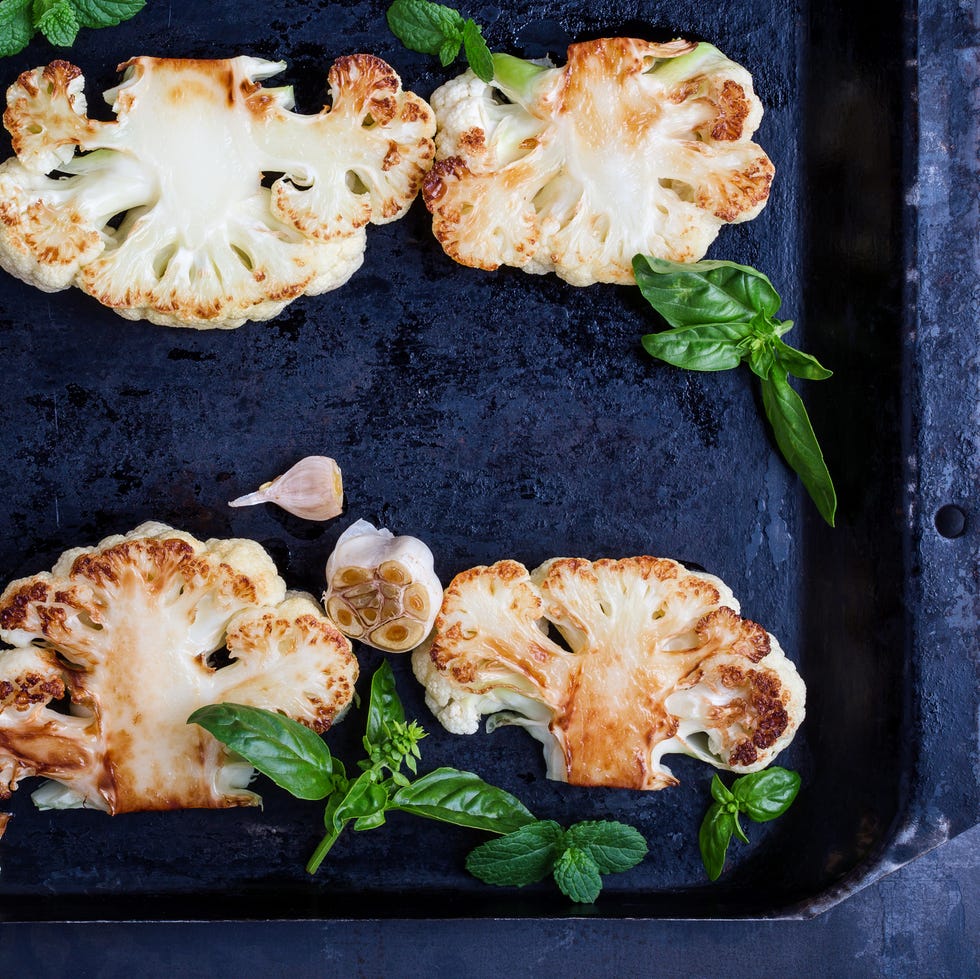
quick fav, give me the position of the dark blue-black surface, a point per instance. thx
(500, 415)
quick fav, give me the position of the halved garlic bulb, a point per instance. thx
(382, 590)
(313, 489)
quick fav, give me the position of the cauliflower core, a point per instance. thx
(129, 631)
(206, 202)
(631, 148)
(611, 665)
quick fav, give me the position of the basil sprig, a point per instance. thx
(723, 314)
(577, 857)
(300, 762)
(434, 28)
(761, 796)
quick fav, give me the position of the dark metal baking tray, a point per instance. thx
(503, 415)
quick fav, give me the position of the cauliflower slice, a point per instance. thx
(167, 214)
(611, 665)
(630, 148)
(129, 631)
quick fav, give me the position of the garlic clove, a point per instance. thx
(313, 489)
(382, 589)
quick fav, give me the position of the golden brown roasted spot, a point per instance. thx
(129, 630)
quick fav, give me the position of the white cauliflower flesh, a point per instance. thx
(128, 631)
(630, 148)
(611, 665)
(207, 201)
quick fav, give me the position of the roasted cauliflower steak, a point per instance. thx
(206, 202)
(611, 664)
(629, 148)
(114, 649)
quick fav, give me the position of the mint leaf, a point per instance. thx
(58, 24)
(577, 875)
(613, 847)
(477, 52)
(105, 13)
(426, 27)
(522, 857)
(16, 26)
(449, 51)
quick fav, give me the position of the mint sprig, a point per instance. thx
(723, 314)
(58, 20)
(577, 857)
(434, 28)
(761, 796)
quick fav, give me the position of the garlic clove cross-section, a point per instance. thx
(382, 590)
(313, 490)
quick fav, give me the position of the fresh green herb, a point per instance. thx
(578, 856)
(58, 20)
(722, 314)
(761, 796)
(433, 28)
(300, 762)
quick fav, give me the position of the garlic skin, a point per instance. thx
(313, 489)
(382, 590)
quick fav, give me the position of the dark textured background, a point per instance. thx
(502, 415)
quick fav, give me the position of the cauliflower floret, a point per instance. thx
(611, 665)
(138, 633)
(630, 148)
(206, 202)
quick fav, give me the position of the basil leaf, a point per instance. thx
(106, 13)
(795, 438)
(693, 293)
(426, 27)
(613, 847)
(719, 791)
(373, 821)
(761, 359)
(767, 794)
(16, 26)
(799, 364)
(365, 797)
(477, 52)
(463, 799)
(522, 857)
(705, 347)
(577, 876)
(384, 707)
(739, 832)
(290, 754)
(714, 836)
(58, 24)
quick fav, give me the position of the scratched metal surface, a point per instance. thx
(502, 415)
